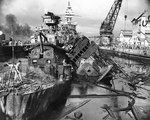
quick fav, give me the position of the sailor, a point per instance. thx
(2, 37)
(10, 41)
(15, 68)
(47, 67)
(61, 70)
(20, 43)
(66, 70)
(32, 40)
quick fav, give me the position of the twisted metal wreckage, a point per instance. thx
(87, 64)
(81, 49)
(90, 49)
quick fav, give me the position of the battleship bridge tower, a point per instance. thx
(69, 14)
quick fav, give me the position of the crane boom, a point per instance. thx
(108, 24)
(136, 20)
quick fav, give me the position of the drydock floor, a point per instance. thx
(94, 109)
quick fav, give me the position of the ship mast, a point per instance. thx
(13, 49)
(68, 27)
(69, 14)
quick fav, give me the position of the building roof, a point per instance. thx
(126, 33)
(147, 31)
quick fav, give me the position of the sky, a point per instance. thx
(90, 13)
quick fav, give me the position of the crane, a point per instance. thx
(108, 24)
(136, 20)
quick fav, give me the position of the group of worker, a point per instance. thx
(16, 43)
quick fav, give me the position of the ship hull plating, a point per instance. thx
(28, 106)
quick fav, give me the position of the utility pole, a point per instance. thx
(125, 18)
